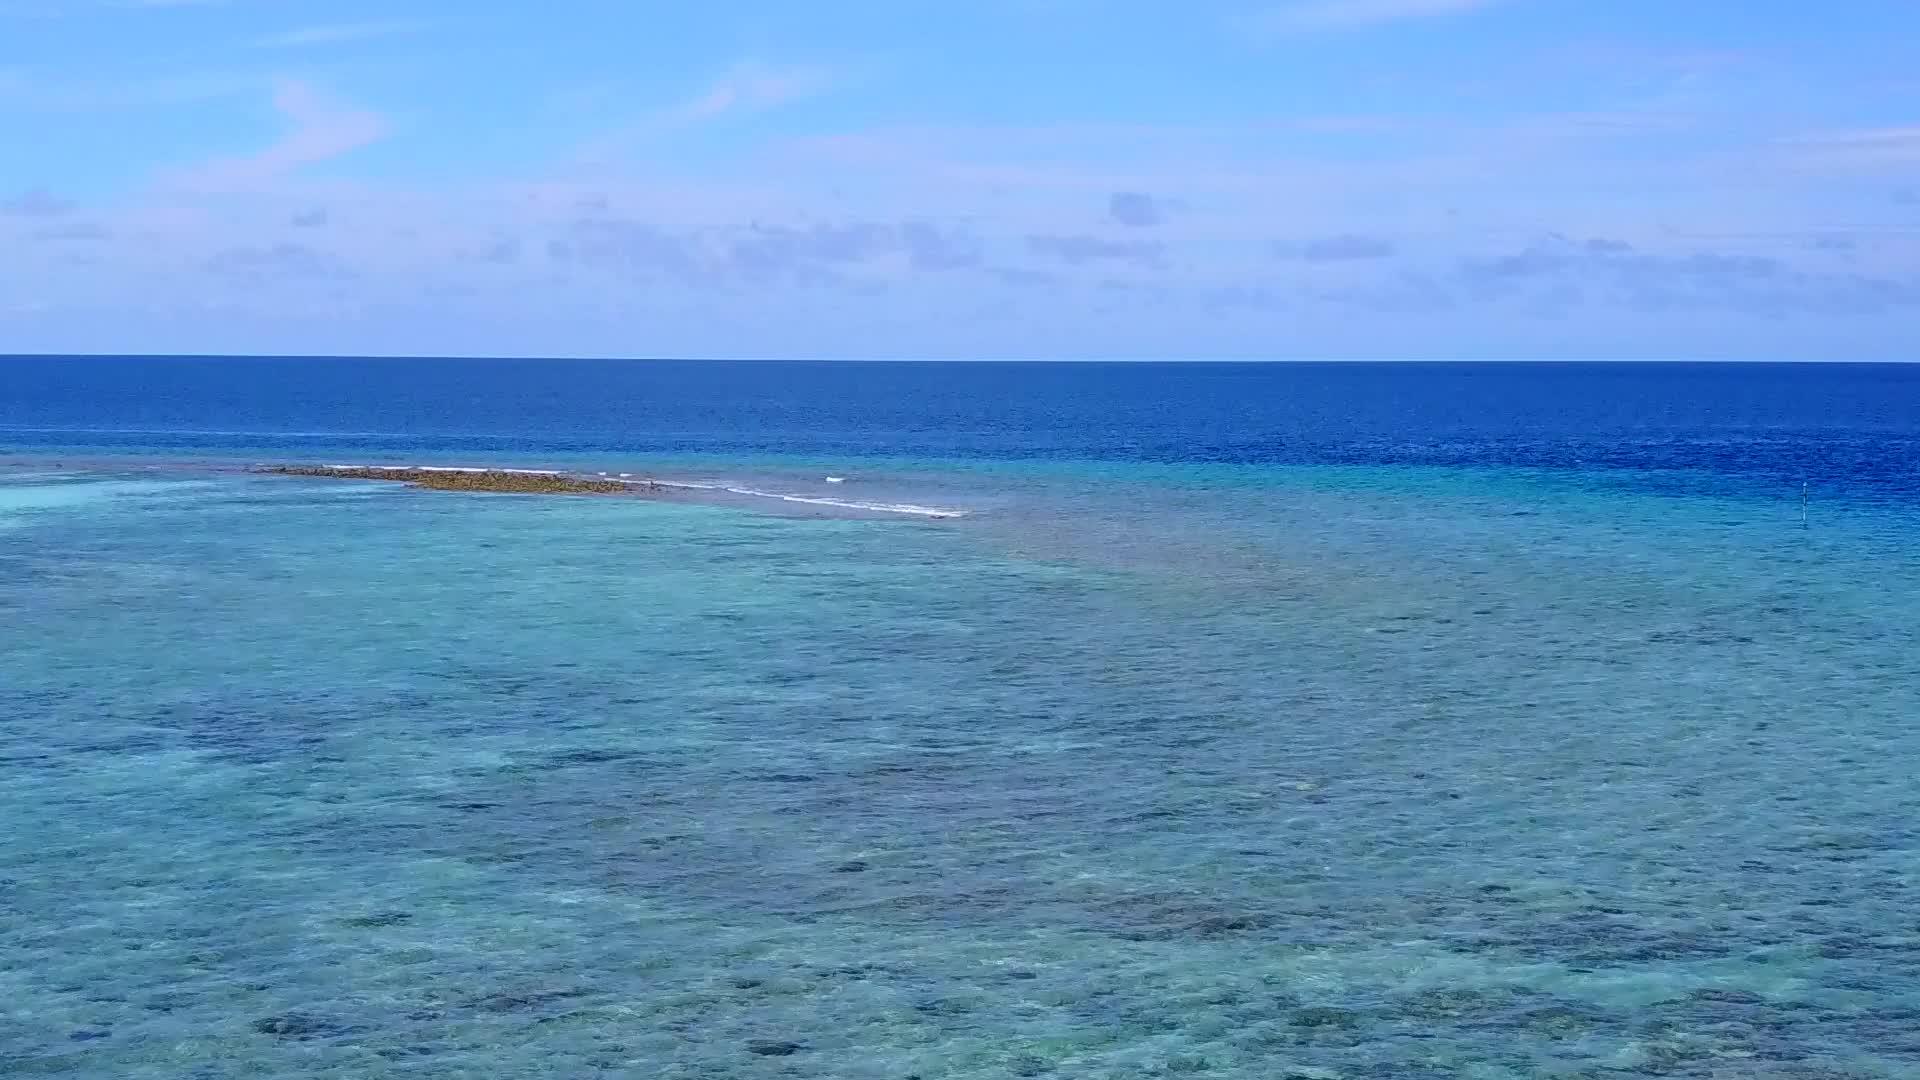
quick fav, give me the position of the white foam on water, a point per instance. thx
(910, 509)
(442, 469)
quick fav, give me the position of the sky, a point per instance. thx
(1073, 179)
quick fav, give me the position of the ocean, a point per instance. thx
(1098, 720)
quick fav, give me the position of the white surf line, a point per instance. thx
(909, 509)
(815, 500)
(442, 469)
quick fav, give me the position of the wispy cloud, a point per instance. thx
(1134, 209)
(1304, 16)
(319, 129)
(1091, 249)
(742, 90)
(750, 87)
(1869, 145)
(337, 34)
(35, 202)
(71, 231)
(1345, 247)
(764, 253)
(1903, 136)
(278, 262)
(1559, 272)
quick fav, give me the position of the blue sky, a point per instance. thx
(1001, 178)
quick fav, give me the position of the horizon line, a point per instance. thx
(607, 358)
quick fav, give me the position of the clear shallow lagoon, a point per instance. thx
(1531, 737)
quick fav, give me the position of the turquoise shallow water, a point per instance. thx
(1137, 771)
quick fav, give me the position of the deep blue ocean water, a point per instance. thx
(1254, 721)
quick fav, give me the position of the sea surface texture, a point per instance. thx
(1291, 721)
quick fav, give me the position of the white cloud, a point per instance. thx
(1870, 138)
(1890, 151)
(742, 90)
(35, 202)
(336, 34)
(750, 87)
(319, 130)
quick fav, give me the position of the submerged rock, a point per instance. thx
(295, 1025)
(1029, 1065)
(774, 1047)
(1322, 1016)
(377, 919)
(594, 756)
(1225, 924)
(1728, 996)
(1449, 1004)
(509, 1002)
